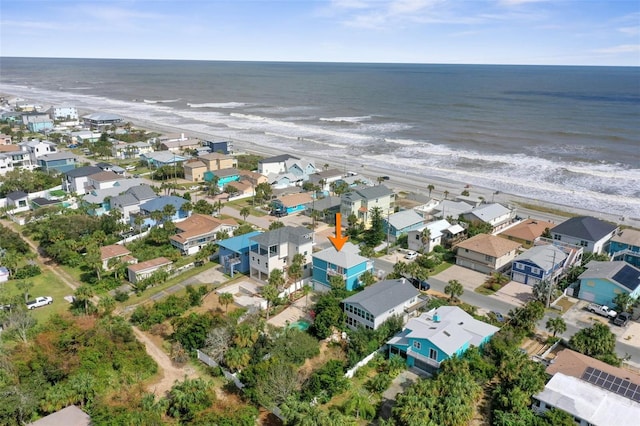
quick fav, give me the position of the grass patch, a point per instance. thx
(441, 267)
(484, 290)
(565, 304)
(545, 209)
(45, 284)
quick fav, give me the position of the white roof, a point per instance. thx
(347, 257)
(489, 212)
(404, 219)
(589, 402)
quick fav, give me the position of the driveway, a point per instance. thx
(515, 293)
(469, 279)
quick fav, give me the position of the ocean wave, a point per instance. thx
(406, 142)
(346, 119)
(223, 105)
(162, 101)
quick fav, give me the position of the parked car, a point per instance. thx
(622, 319)
(411, 255)
(419, 284)
(497, 316)
(603, 310)
(39, 302)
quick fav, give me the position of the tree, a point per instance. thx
(596, 341)
(20, 322)
(278, 380)
(360, 405)
(624, 302)
(375, 234)
(187, 398)
(167, 212)
(106, 305)
(225, 299)
(454, 289)
(542, 291)
(203, 207)
(556, 325)
(217, 343)
(276, 279)
(263, 192)
(25, 287)
(83, 295)
(367, 278)
(244, 212)
(496, 280)
(275, 225)
(138, 221)
(294, 272)
(430, 187)
(93, 259)
(306, 290)
(270, 294)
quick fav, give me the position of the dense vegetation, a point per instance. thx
(27, 181)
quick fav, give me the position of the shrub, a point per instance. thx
(121, 296)
(27, 271)
(379, 383)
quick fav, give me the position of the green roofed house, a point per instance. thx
(375, 304)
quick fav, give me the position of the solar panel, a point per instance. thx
(612, 383)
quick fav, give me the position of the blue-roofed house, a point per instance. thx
(224, 176)
(437, 335)
(539, 263)
(58, 162)
(625, 245)
(346, 263)
(234, 253)
(378, 302)
(494, 214)
(603, 281)
(585, 231)
(158, 204)
(401, 223)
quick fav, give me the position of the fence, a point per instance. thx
(212, 363)
(364, 361)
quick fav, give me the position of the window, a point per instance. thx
(489, 258)
(557, 237)
(584, 243)
(535, 271)
(417, 344)
(433, 354)
(519, 266)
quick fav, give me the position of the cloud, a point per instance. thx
(630, 31)
(622, 48)
(32, 25)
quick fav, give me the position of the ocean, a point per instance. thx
(567, 135)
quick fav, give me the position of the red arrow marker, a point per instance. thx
(338, 241)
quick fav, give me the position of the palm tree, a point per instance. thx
(496, 279)
(294, 272)
(270, 294)
(325, 167)
(425, 238)
(359, 403)
(83, 294)
(168, 211)
(556, 325)
(306, 290)
(244, 212)
(454, 289)
(430, 187)
(225, 299)
(156, 216)
(106, 305)
(138, 220)
(246, 335)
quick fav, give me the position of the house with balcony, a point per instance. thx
(292, 203)
(64, 113)
(274, 165)
(625, 245)
(526, 232)
(158, 205)
(75, 180)
(37, 148)
(59, 162)
(377, 303)
(199, 230)
(223, 176)
(217, 161)
(496, 215)
(360, 201)
(124, 151)
(101, 120)
(162, 159)
(234, 253)
(443, 209)
(101, 201)
(426, 237)
(140, 271)
(401, 223)
(585, 231)
(437, 335)
(539, 263)
(129, 200)
(486, 253)
(347, 264)
(275, 250)
(603, 281)
(589, 390)
(223, 147)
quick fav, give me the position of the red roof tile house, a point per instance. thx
(142, 270)
(115, 251)
(198, 230)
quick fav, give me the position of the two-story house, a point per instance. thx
(103, 180)
(224, 147)
(437, 335)
(162, 159)
(234, 253)
(159, 204)
(129, 201)
(526, 232)
(199, 230)
(101, 201)
(433, 234)
(539, 263)
(401, 223)
(377, 303)
(496, 215)
(75, 180)
(603, 281)
(101, 120)
(585, 231)
(274, 165)
(275, 250)
(347, 264)
(64, 113)
(223, 176)
(625, 245)
(361, 201)
(486, 253)
(217, 161)
(59, 162)
(323, 179)
(37, 148)
(194, 170)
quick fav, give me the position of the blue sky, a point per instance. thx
(556, 32)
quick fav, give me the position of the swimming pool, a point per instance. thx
(302, 325)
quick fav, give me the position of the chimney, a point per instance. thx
(436, 317)
(402, 280)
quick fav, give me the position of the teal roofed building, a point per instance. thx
(224, 176)
(346, 263)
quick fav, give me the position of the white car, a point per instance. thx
(39, 301)
(411, 255)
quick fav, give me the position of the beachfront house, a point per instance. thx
(199, 230)
(437, 335)
(486, 253)
(217, 161)
(58, 162)
(124, 151)
(603, 281)
(585, 231)
(223, 147)
(182, 144)
(496, 215)
(526, 232)
(275, 250)
(372, 306)
(539, 263)
(274, 165)
(347, 264)
(291, 203)
(139, 271)
(625, 245)
(64, 113)
(592, 392)
(361, 201)
(401, 223)
(444, 209)
(234, 253)
(101, 120)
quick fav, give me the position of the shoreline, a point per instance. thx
(399, 180)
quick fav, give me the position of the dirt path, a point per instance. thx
(169, 373)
